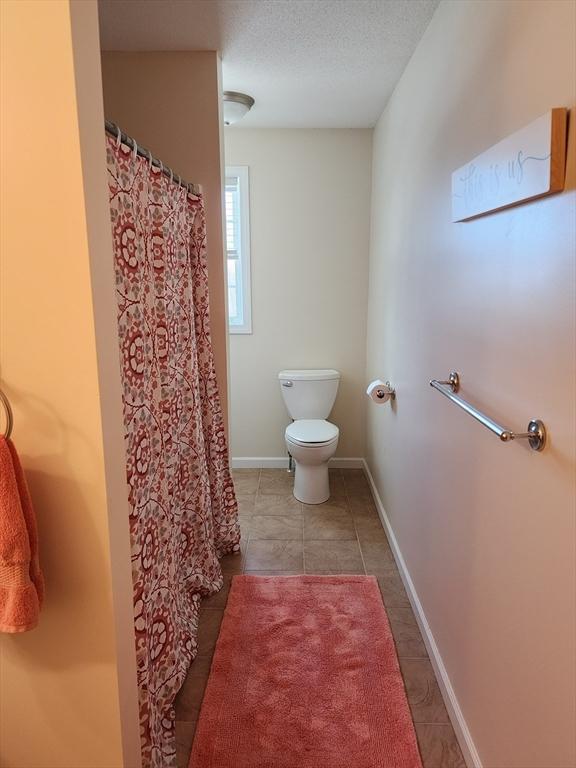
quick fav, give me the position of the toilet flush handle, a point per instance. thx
(287, 384)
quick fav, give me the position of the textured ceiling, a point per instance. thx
(307, 63)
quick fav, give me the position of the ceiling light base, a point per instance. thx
(235, 106)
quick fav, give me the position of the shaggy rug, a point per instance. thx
(305, 675)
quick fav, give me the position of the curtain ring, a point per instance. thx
(149, 160)
(171, 175)
(135, 151)
(118, 137)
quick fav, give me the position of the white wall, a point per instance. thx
(486, 528)
(310, 208)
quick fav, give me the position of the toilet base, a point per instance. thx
(311, 483)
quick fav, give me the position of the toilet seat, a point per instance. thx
(312, 432)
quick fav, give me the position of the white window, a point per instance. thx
(237, 202)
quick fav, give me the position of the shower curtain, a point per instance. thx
(183, 511)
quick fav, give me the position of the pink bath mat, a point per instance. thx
(305, 675)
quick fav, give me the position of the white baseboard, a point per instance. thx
(281, 462)
(455, 713)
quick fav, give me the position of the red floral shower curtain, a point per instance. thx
(183, 512)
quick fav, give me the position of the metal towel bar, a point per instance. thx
(9, 417)
(536, 434)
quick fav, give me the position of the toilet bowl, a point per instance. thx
(311, 443)
(311, 440)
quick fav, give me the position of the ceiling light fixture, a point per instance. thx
(236, 105)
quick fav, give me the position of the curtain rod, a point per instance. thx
(114, 130)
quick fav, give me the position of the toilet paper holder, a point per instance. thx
(381, 390)
(388, 391)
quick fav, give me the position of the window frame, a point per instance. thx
(241, 172)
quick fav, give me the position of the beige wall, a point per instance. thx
(170, 102)
(486, 529)
(88, 76)
(68, 687)
(309, 218)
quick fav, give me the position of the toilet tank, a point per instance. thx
(309, 394)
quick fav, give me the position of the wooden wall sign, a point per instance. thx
(528, 164)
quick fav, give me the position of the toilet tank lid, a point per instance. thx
(309, 375)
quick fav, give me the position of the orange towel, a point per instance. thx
(21, 582)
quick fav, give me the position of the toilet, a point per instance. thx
(311, 440)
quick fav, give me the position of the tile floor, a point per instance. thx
(344, 535)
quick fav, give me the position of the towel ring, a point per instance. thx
(9, 416)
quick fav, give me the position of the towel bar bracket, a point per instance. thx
(536, 435)
(453, 381)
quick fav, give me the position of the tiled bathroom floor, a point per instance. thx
(282, 536)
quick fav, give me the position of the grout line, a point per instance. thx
(447, 724)
(248, 535)
(356, 531)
